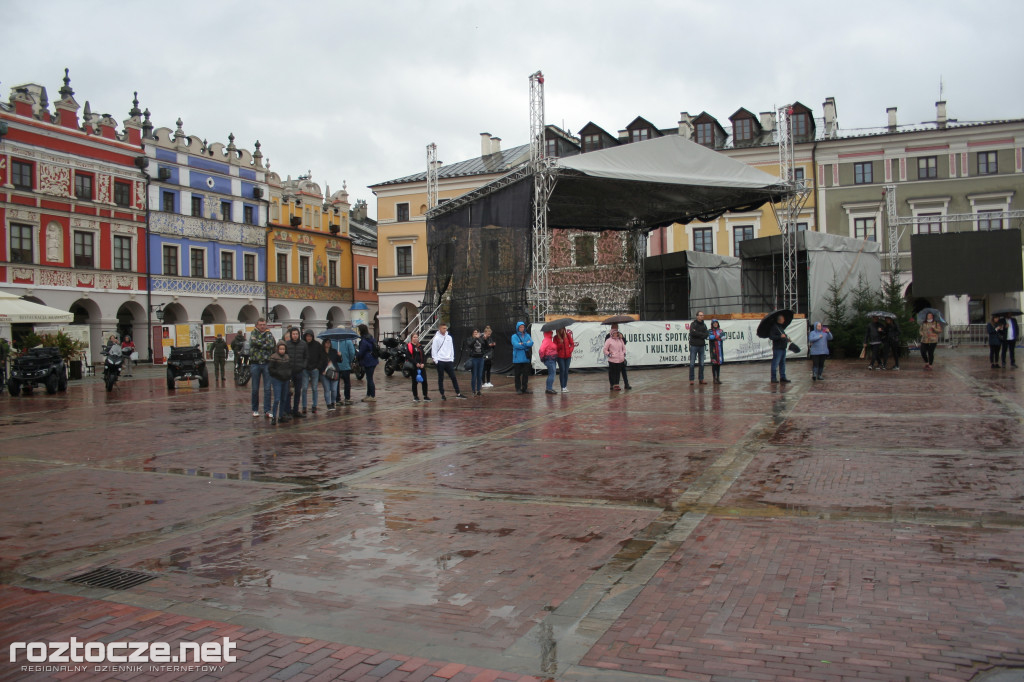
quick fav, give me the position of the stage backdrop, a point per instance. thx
(667, 343)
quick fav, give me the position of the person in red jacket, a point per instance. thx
(549, 356)
(564, 344)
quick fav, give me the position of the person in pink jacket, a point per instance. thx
(615, 351)
(549, 356)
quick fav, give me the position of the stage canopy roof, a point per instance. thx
(647, 184)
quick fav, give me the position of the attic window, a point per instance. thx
(591, 142)
(743, 130)
(705, 134)
(639, 134)
(799, 125)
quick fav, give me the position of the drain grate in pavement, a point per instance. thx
(112, 578)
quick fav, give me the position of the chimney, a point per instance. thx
(485, 144)
(892, 119)
(495, 145)
(830, 117)
(940, 114)
(685, 125)
(768, 121)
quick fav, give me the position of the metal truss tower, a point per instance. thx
(431, 176)
(543, 184)
(787, 211)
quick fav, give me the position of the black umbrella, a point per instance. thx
(881, 313)
(337, 334)
(1008, 312)
(618, 319)
(921, 314)
(555, 325)
(764, 327)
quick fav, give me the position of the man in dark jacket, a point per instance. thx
(873, 339)
(780, 342)
(297, 352)
(1010, 339)
(219, 350)
(316, 363)
(237, 347)
(698, 340)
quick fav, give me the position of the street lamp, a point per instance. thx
(158, 311)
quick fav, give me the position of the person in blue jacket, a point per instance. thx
(818, 338)
(522, 346)
(346, 358)
(368, 359)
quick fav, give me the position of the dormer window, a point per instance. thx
(705, 134)
(551, 148)
(743, 130)
(639, 135)
(591, 142)
(799, 123)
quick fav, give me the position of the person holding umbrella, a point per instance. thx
(780, 342)
(996, 333)
(615, 351)
(1012, 335)
(614, 321)
(931, 329)
(873, 342)
(564, 344)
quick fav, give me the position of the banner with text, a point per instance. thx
(668, 343)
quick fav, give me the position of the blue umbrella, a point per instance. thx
(338, 334)
(921, 314)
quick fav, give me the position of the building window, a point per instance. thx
(122, 253)
(639, 135)
(249, 215)
(928, 223)
(249, 265)
(739, 234)
(167, 202)
(282, 267)
(227, 265)
(864, 228)
(170, 260)
(332, 273)
(362, 277)
(122, 193)
(584, 255)
(743, 130)
(799, 126)
(303, 269)
(987, 163)
(863, 173)
(798, 174)
(197, 262)
(225, 210)
(21, 175)
(197, 206)
(375, 279)
(403, 261)
(801, 227)
(551, 148)
(83, 187)
(21, 243)
(84, 250)
(986, 223)
(591, 143)
(927, 167)
(402, 213)
(703, 240)
(705, 134)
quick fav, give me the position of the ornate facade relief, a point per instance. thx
(54, 242)
(55, 180)
(103, 188)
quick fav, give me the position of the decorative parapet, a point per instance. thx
(200, 228)
(207, 287)
(308, 292)
(73, 279)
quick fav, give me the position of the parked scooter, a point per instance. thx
(112, 366)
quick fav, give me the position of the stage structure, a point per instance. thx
(677, 285)
(488, 249)
(819, 258)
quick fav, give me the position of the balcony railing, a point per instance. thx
(207, 287)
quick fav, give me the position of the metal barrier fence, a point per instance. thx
(967, 335)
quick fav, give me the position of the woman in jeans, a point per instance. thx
(368, 360)
(330, 385)
(419, 363)
(280, 369)
(477, 348)
(549, 356)
(489, 344)
(564, 344)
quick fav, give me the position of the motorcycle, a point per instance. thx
(243, 371)
(112, 367)
(394, 356)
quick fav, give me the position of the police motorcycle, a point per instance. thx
(112, 366)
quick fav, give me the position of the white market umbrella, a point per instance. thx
(14, 310)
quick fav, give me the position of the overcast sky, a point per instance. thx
(355, 91)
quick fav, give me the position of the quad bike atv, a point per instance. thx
(186, 363)
(38, 366)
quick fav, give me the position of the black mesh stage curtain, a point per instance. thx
(482, 253)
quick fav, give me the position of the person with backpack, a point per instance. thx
(368, 356)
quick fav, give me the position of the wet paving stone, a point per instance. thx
(894, 431)
(803, 599)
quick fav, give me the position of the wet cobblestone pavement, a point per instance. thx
(868, 527)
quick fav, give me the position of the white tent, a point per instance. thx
(14, 310)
